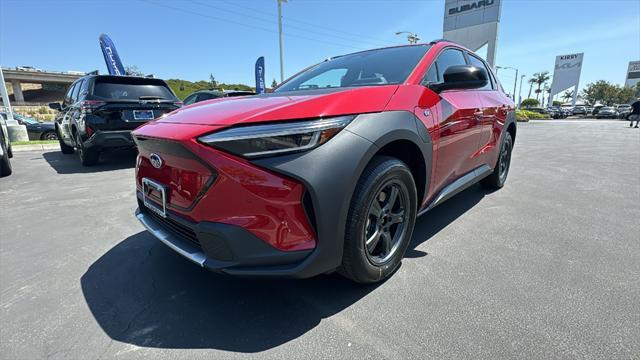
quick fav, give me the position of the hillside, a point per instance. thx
(183, 88)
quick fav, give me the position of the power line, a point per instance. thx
(358, 36)
(299, 28)
(248, 26)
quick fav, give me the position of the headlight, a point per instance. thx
(272, 139)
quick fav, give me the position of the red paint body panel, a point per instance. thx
(268, 205)
(232, 111)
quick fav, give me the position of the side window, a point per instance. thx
(432, 75)
(84, 89)
(190, 99)
(474, 61)
(449, 57)
(206, 96)
(76, 91)
(67, 96)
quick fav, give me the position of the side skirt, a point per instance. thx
(459, 185)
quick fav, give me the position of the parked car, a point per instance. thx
(623, 110)
(37, 130)
(5, 148)
(538, 110)
(203, 95)
(330, 170)
(579, 110)
(100, 111)
(596, 109)
(607, 112)
(556, 112)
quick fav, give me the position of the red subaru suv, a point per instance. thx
(330, 170)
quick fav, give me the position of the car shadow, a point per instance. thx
(142, 293)
(70, 164)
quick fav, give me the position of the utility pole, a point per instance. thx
(411, 37)
(280, 38)
(520, 91)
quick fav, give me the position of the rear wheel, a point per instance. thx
(380, 222)
(64, 148)
(497, 179)
(88, 156)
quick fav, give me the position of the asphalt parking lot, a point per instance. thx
(548, 267)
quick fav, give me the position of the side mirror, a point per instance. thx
(461, 77)
(55, 106)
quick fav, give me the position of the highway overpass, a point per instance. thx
(45, 78)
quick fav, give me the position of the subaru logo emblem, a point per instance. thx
(156, 161)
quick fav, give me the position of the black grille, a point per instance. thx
(175, 227)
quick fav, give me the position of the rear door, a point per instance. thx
(457, 128)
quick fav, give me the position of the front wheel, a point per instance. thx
(64, 148)
(499, 175)
(380, 221)
(49, 135)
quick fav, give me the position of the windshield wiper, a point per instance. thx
(152, 97)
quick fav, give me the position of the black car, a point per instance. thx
(37, 130)
(100, 111)
(203, 95)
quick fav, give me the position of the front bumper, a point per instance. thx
(221, 247)
(111, 139)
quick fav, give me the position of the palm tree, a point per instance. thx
(531, 82)
(540, 79)
(568, 95)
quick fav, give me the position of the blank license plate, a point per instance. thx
(143, 114)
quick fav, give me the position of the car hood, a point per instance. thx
(284, 106)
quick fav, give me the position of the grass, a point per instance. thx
(33, 142)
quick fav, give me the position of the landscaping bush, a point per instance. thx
(529, 103)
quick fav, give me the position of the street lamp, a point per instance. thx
(411, 37)
(280, 38)
(520, 91)
(515, 82)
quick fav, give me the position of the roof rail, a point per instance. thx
(94, 72)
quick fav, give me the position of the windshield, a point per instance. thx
(376, 67)
(132, 89)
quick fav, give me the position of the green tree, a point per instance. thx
(606, 93)
(133, 71)
(567, 95)
(557, 103)
(540, 79)
(274, 83)
(529, 103)
(531, 82)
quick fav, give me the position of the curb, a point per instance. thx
(35, 147)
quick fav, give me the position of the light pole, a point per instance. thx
(515, 82)
(520, 91)
(411, 37)
(280, 38)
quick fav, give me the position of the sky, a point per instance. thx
(190, 39)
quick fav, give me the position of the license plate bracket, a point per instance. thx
(143, 115)
(150, 185)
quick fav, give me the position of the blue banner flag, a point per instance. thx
(260, 88)
(114, 65)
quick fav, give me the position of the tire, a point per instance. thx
(5, 163)
(10, 151)
(64, 148)
(499, 175)
(49, 135)
(88, 157)
(374, 194)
